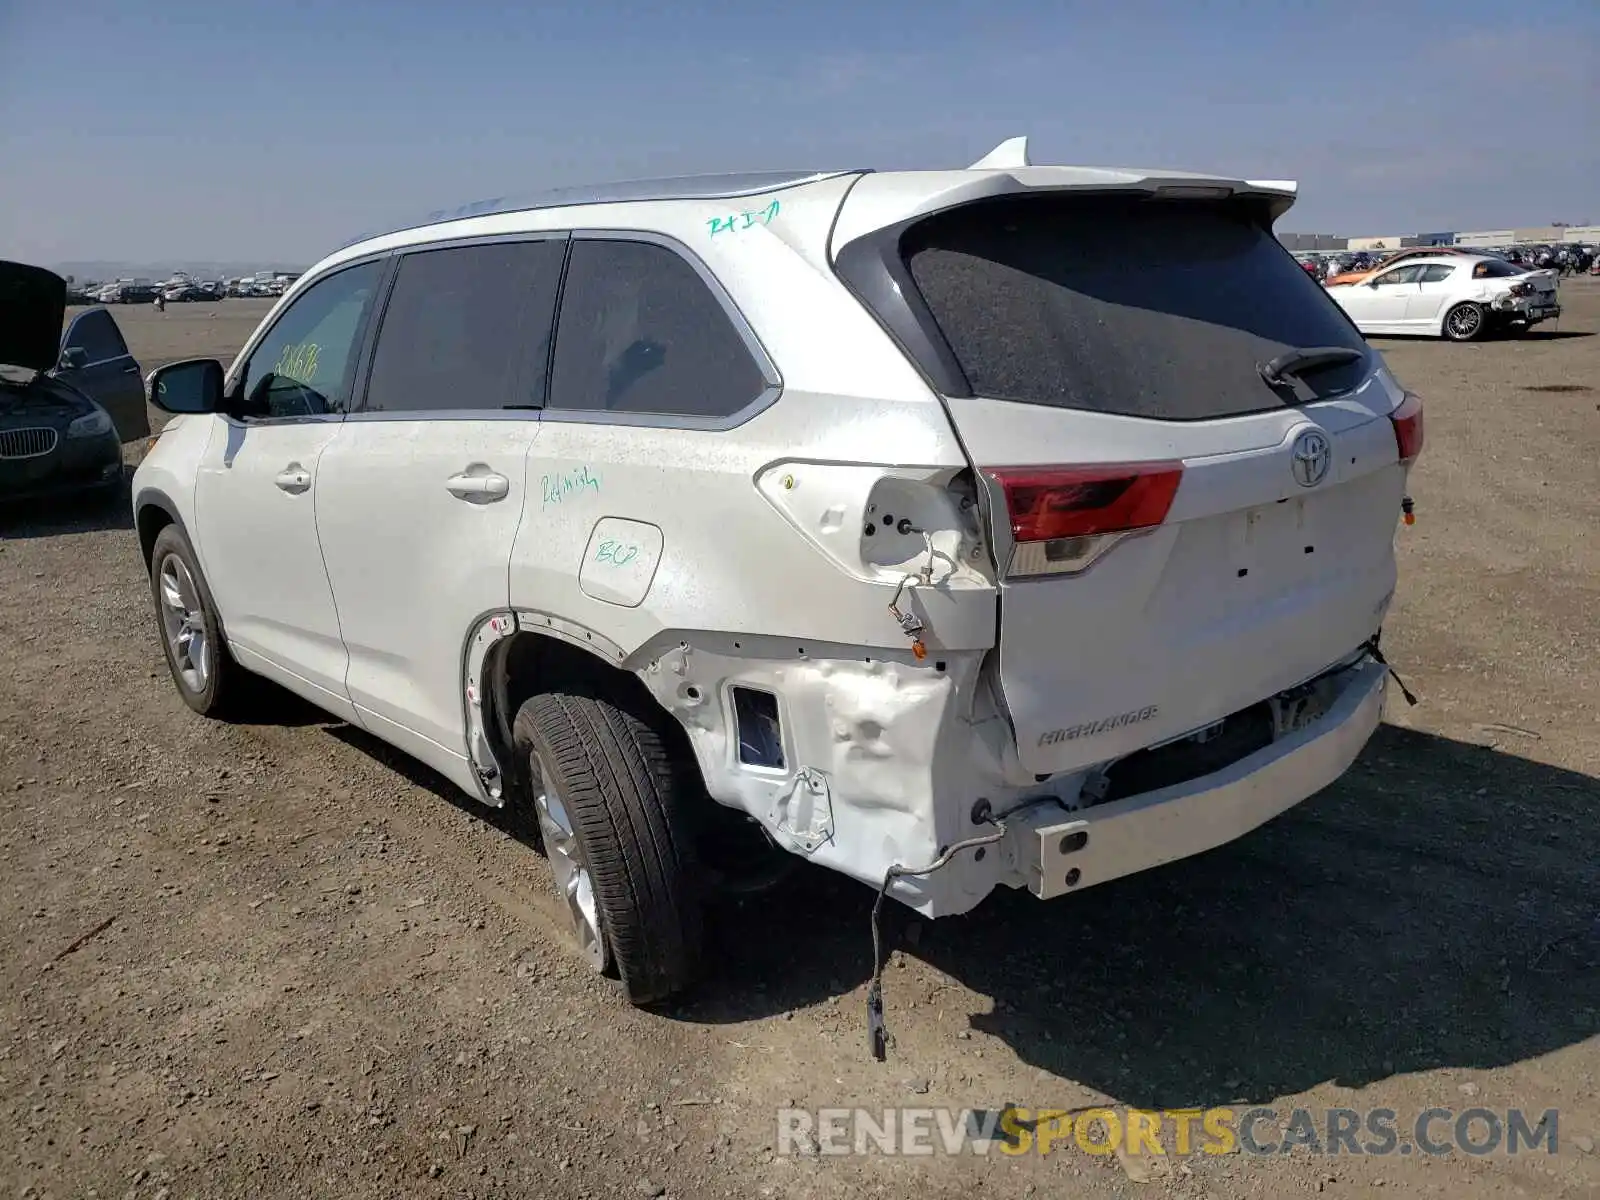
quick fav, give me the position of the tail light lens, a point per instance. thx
(1407, 421)
(1522, 289)
(1064, 518)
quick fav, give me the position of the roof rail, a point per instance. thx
(680, 187)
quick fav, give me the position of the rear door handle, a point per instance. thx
(294, 479)
(479, 488)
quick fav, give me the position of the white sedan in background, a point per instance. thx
(1460, 297)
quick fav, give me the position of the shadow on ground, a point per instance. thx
(87, 512)
(1435, 908)
(1553, 335)
(511, 820)
(1488, 338)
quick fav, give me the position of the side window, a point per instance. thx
(467, 328)
(641, 332)
(1399, 275)
(1435, 273)
(96, 334)
(303, 366)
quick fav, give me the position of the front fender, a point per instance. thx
(163, 484)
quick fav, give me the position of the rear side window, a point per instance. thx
(641, 332)
(466, 328)
(1437, 273)
(1136, 307)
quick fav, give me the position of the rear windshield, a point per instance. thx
(1138, 307)
(1495, 269)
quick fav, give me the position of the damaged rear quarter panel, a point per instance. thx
(746, 589)
(893, 743)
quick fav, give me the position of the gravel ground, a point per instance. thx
(279, 960)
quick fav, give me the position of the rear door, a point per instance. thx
(1178, 537)
(422, 494)
(105, 371)
(1436, 284)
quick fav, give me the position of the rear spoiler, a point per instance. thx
(900, 198)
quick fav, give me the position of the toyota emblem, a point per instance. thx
(1310, 458)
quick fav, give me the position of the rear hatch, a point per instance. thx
(1178, 537)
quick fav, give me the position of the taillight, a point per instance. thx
(1064, 518)
(1522, 289)
(1407, 420)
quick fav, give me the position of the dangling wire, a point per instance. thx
(877, 1032)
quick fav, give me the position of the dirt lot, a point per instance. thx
(277, 960)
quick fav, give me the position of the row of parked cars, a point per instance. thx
(176, 290)
(1569, 258)
(1458, 293)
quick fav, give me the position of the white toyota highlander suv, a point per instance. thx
(1016, 525)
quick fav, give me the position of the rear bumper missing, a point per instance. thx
(1530, 309)
(1134, 834)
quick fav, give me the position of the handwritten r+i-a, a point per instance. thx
(743, 220)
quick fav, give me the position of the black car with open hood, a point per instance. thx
(67, 400)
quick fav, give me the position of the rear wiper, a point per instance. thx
(1295, 363)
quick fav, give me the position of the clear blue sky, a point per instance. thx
(246, 129)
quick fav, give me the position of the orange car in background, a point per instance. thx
(1414, 252)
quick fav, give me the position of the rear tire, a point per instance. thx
(205, 674)
(1465, 322)
(612, 817)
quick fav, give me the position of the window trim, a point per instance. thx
(99, 362)
(1388, 273)
(359, 387)
(385, 261)
(758, 404)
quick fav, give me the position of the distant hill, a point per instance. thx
(108, 269)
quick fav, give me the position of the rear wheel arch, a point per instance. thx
(530, 662)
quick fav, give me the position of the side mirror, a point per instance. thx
(73, 357)
(191, 386)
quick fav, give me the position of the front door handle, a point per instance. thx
(479, 488)
(294, 479)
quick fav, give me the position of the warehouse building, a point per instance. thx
(1488, 238)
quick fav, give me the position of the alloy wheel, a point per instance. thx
(183, 621)
(574, 882)
(1464, 321)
